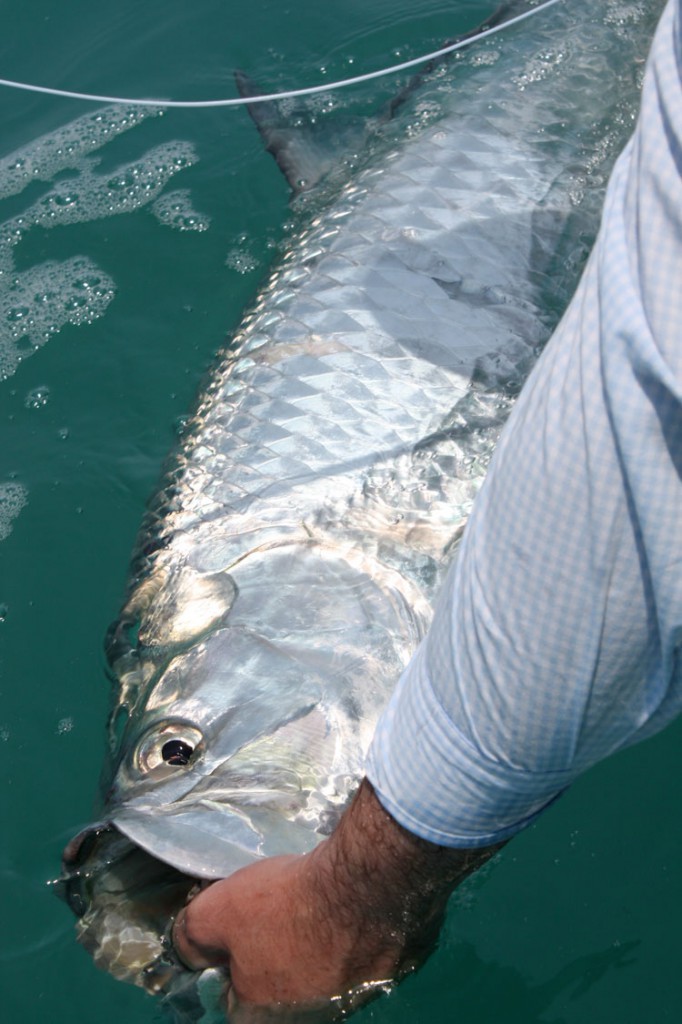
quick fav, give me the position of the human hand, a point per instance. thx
(274, 927)
(309, 937)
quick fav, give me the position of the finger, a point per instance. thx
(187, 951)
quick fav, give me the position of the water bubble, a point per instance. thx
(180, 424)
(23, 343)
(64, 725)
(3, 612)
(175, 210)
(37, 397)
(241, 260)
(4, 733)
(16, 313)
(485, 58)
(63, 433)
(66, 198)
(538, 68)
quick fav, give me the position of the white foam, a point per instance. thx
(241, 260)
(38, 302)
(175, 209)
(37, 397)
(13, 497)
(64, 148)
(90, 195)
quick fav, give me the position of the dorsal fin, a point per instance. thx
(506, 10)
(304, 150)
(307, 151)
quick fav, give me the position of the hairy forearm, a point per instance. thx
(376, 876)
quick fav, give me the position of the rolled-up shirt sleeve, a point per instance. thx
(555, 639)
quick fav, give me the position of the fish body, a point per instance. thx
(287, 568)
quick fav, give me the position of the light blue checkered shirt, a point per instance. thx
(556, 638)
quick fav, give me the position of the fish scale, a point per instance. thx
(287, 567)
(365, 390)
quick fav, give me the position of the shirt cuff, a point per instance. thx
(437, 784)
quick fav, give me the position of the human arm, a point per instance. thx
(363, 908)
(557, 635)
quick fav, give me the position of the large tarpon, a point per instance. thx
(287, 568)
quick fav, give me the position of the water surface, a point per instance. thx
(576, 921)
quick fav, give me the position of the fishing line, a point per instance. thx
(290, 93)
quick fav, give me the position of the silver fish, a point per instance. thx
(287, 568)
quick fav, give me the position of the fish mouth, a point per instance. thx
(125, 901)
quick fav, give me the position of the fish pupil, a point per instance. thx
(176, 752)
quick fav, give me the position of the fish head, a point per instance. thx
(250, 698)
(238, 753)
(239, 732)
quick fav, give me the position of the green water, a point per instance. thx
(577, 920)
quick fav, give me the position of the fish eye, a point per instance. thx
(174, 744)
(177, 752)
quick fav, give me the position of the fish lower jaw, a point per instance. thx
(123, 899)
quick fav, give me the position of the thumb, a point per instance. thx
(200, 934)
